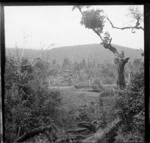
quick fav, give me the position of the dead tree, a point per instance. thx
(93, 20)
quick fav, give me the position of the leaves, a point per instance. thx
(93, 19)
(130, 106)
(26, 107)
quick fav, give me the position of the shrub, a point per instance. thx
(25, 107)
(130, 107)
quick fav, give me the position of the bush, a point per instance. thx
(25, 107)
(130, 107)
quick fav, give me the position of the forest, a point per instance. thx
(76, 101)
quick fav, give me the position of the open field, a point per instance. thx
(73, 98)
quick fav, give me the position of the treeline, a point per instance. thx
(88, 72)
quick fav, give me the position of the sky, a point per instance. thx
(38, 27)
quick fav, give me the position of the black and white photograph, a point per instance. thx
(74, 74)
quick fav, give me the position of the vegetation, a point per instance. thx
(75, 101)
(77, 53)
(94, 20)
(28, 104)
(130, 108)
(34, 108)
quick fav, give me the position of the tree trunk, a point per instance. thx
(121, 80)
(101, 135)
(120, 63)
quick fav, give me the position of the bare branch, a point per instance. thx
(124, 61)
(79, 7)
(98, 34)
(107, 45)
(128, 27)
(38, 58)
(77, 131)
(32, 133)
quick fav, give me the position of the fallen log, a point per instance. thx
(87, 125)
(32, 133)
(77, 130)
(66, 139)
(100, 135)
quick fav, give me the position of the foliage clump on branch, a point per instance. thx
(93, 20)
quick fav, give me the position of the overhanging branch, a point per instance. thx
(128, 27)
(126, 60)
(98, 34)
(105, 44)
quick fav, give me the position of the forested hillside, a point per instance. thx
(78, 53)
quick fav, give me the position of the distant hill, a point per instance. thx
(78, 52)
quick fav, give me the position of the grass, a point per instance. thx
(73, 98)
(81, 104)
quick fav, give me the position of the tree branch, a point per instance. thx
(107, 45)
(77, 131)
(79, 7)
(111, 48)
(126, 60)
(128, 27)
(32, 133)
(98, 34)
(87, 125)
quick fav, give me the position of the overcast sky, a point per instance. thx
(39, 26)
